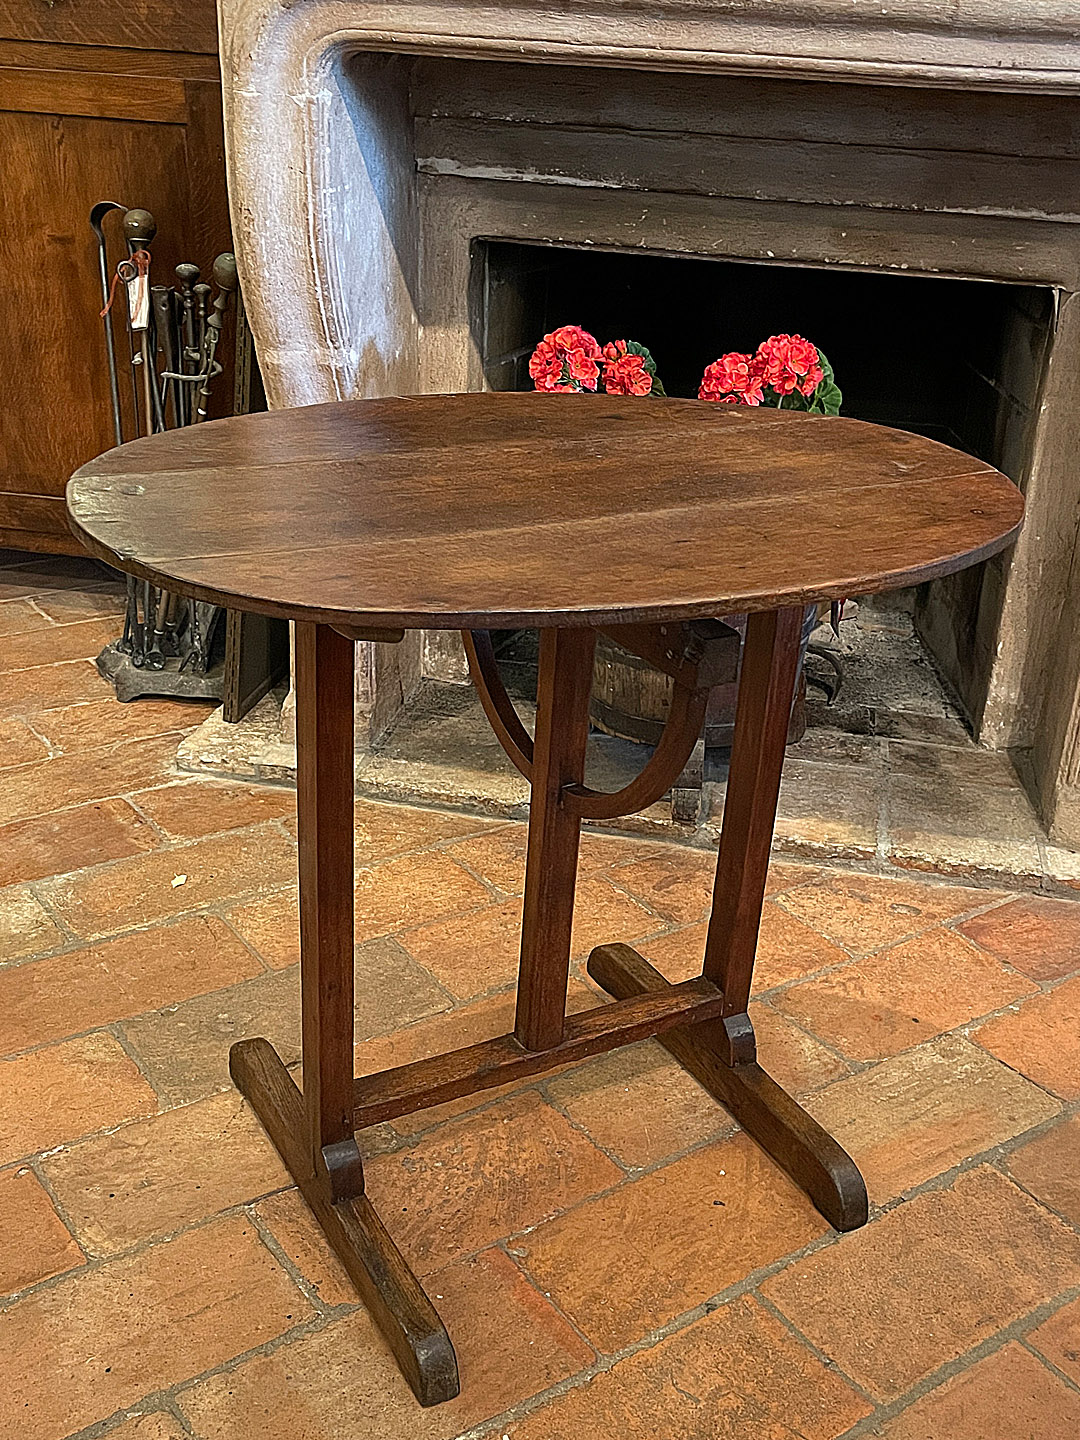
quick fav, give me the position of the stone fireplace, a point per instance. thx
(420, 190)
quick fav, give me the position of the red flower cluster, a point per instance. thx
(571, 360)
(734, 379)
(624, 372)
(783, 363)
(788, 362)
(567, 360)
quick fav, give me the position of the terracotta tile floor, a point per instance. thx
(611, 1255)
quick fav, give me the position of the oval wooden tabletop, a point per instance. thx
(501, 510)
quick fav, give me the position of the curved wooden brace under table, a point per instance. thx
(498, 707)
(681, 732)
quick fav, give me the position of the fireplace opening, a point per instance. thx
(956, 359)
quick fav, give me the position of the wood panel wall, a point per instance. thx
(99, 100)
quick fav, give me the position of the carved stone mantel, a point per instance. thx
(327, 224)
(281, 64)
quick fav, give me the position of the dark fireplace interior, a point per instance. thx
(955, 359)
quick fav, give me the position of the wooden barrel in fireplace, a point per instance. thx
(631, 698)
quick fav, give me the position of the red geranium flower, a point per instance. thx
(624, 372)
(566, 360)
(788, 362)
(734, 379)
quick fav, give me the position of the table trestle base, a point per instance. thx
(391, 1292)
(703, 1021)
(502, 1060)
(814, 1160)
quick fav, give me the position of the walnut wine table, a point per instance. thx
(642, 519)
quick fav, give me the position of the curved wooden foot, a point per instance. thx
(387, 1286)
(779, 1124)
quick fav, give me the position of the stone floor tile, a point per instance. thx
(484, 1176)
(30, 575)
(795, 1060)
(1061, 865)
(184, 1049)
(865, 913)
(339, 1382)
(65, 607)
(437, 760)
(497, 856)
(342, 1381)
(953, 766)
(1034, 934)
(72, 839)
(27, 692)
(153, 1425)
(922, 1112)
(289, 1220)
(19, 745)
(677, 884)
(163, 1174)
(736, 1374)
(639, 1104)
(1039, 1038)
(57, 643)
(145, 888)
(787, 950)
(271, 926)
(471, 953)
(35, 1244)
(75, 728)
(679, 954)
(79, 1351)
(1058, 1338)
(488, 1296)
(381, 831)
(1007, 1396)
(68, 780)
(787, 875)
(20, 617)
(828, 809)
(26, 928)
(392, 990)
(413, 890)
(195, 808)
(1049, 1167)
(627, 1262)
(962, 828)
(57, 1094)
(924, 1283)
(827, 745)
(603, 915)
(598, 851)
(901, 996)
(61, 995)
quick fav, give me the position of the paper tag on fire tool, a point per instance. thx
(138, 298)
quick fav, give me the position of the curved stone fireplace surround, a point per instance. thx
(372, 148)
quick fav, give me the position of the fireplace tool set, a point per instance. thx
(170, 645)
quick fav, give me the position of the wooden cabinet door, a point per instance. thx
(78, 125)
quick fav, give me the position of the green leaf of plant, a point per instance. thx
(634, 347)
(826, 399)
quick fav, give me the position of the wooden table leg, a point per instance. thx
(314, 1131)
(721, 1053)
(562, 730)
(766, 687)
